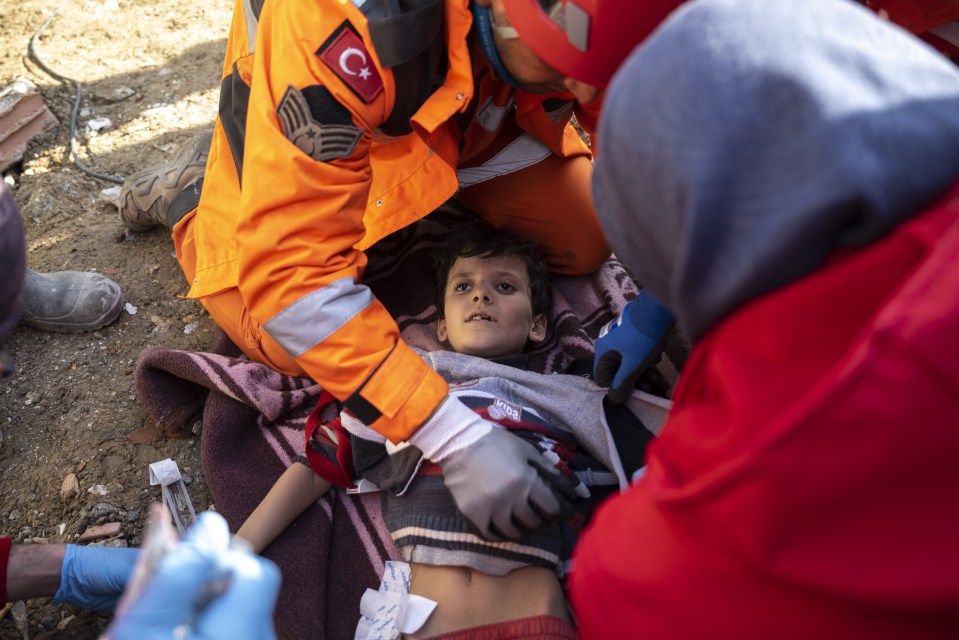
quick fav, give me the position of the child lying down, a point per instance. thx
(494, 295)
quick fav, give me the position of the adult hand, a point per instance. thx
(501, 484)
(628, 345)
(504, 486)
(205, 590)
(94, 577)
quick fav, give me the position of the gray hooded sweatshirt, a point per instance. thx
(738, 153)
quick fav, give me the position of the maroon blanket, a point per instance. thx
(253, 422)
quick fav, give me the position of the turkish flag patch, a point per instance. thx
(346, 55)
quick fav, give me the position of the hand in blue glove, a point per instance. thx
(94, 577)
(206, 590)
(628, 345)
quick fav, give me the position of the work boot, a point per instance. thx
(69, 301)
(146, 195)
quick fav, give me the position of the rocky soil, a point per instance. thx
(149, 73)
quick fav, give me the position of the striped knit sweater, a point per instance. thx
(561, 415)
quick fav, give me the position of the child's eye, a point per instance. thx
(460, 287)
(506, 286)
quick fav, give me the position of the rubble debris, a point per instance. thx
(65, 622)
(103, 509)
(98, 124)
(100, 531)
(111, 195)
(70, 488)
(23, 116)
(98, 490)
(19, 614)
(114, 95)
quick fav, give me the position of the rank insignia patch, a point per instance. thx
(347, 56)
(322, 141)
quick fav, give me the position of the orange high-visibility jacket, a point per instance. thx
(341, 128)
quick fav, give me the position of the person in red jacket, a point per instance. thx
(788, 189)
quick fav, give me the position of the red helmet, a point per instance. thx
(599, 33)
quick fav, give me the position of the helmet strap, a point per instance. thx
(484, 28)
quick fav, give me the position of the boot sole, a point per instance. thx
(142, 197)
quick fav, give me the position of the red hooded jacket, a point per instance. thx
(805, 483)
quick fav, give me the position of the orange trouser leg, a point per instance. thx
(549, 202)
(229, 311)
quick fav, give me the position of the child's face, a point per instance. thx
(488, 308)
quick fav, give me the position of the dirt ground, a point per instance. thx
(152, 69)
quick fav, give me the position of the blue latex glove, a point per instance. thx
(182, 594)
(94, 577)
(628, 345)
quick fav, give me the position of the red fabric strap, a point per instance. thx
(5, 544)
(339, 473)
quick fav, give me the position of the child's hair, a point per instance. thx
(478, 239)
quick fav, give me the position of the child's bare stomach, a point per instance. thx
(469, 598)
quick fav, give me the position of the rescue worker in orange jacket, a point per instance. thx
(339, 123)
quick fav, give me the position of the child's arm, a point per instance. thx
(293, 493)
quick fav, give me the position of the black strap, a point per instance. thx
(630, 435)
(408, 38)
(234, 102)
(184, 202)
(401, 37)
(256, 6)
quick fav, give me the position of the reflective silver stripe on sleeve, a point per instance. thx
(577, 26)
(251, 24)
(317, 315)
(490, 117)
(521, 153)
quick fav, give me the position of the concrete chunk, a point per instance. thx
(70, 487)
(23, 116)
(100, 531)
